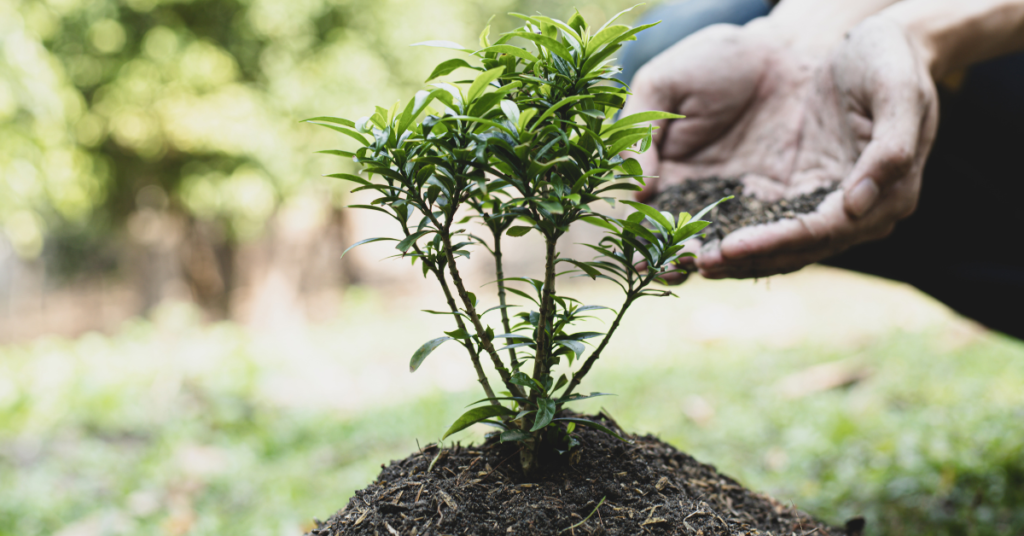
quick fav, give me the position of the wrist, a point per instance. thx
(950, 35)
(816, 26)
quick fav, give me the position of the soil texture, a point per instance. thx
(743, 211)
(604, 487)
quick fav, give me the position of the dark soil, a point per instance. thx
(743, 211)
(648, 487)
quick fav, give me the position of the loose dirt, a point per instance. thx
(613, 488)
(743, 211)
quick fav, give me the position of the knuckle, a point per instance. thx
(898, 160)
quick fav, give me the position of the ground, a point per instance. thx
(838, 394)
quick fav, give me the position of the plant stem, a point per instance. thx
(474, 355)
(485, 342)
(499, 272)
(547, 305)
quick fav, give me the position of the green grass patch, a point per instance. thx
(122, 436)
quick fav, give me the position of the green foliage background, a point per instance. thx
(100, 98)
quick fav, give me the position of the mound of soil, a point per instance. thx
(606, 487)
(692, 196)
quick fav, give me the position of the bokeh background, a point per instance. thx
(183, 352)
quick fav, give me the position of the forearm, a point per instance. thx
(821, 24)
(952, 34)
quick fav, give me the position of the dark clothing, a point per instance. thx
(961, 245)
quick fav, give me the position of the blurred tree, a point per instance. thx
(172, 124)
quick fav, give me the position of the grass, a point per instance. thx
(176, 427)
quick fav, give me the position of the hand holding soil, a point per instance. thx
(789, 124)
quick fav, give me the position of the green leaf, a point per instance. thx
(708, 208)
(486, 34)
(519, 230)
(545, 412)
(639, 118)
(515, 398)
(350, 177)
(616, 17)
(600, 222)
(589, 270)
(441, 44)
(350, 133)
(552, 207)
(459, 334)
(482, 81)
(548, 43)
(336, 152)
(511, 111)
(514, 435)
(578, 397)
(477, 120)
(510, 50)
(408, 241)
(652, 213)
(424, 351)
(690, 229)
(562, 26)
(562, 380)
(525, 380)
(632, 167)
(524, 118)
(627, 142)
(554, 108)
(605, 36)
(577, 348)
(326, 119)
(476, 415)
(592, 424)
(367, 241)
(447, 67)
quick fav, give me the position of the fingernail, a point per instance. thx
(862, 197)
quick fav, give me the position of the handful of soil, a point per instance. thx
(743, 211)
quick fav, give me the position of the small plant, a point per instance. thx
(525, 146)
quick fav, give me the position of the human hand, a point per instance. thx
(871, 121)
(790, 121)
(742, 90)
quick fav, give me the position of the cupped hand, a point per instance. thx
(788, 121)
(873, 117)
(742, 92)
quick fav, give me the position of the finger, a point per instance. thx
(764, 266)
(788, 235)
(899, 109)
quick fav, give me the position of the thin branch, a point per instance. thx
(474, 317)
(631, 296)
(474, 355)
(499, 272)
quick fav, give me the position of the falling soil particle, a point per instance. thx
(743, 211)
(644, 487)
